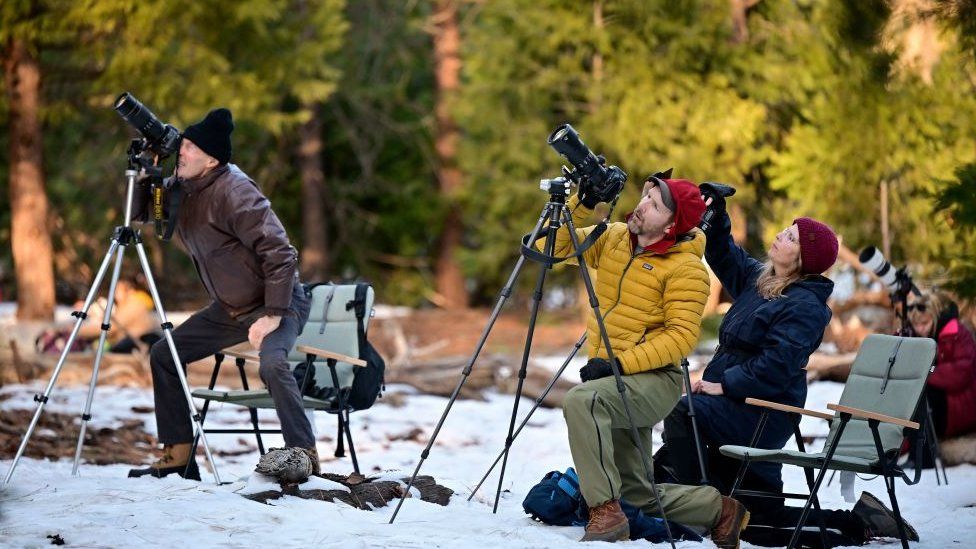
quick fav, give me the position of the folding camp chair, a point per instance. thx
(880, 398)
(329, 343)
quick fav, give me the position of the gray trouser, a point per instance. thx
(607, 458)
(207, 332)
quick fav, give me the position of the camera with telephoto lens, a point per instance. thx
(162, 139)
(597, 181)
(151, 194)
(897, 281)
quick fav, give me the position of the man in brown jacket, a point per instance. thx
(248, 267)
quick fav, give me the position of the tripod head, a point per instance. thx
(152, 187)
(141, 158)
(558, 187)
(903, 286)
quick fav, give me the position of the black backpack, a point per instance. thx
(368, 382)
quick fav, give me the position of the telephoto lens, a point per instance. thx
(566, 141)
(162, 139)
(872, 258)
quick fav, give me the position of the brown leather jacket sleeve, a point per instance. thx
(259, 229)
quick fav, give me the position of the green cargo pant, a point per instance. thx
(605, 454)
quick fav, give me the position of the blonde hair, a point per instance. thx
(934, 303)
(772, 285)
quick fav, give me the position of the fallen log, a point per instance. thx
(361, 492)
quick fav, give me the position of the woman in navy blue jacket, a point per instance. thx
(777, 319)
(776, 322)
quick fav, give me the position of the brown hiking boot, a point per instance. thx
(731, 523)
(176, 459)
(607, 523)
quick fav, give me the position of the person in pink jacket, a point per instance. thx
(951, 387)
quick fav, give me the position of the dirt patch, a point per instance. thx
(56, 435)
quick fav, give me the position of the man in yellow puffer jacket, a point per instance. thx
(652, 287)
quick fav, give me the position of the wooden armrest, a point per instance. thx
(309, 350)
(788, 408)
(864, 414)
(245, 353)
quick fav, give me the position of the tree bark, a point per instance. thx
(885, 228)
(30, 234)
(449, 279)
(315, 248)
(740, 12)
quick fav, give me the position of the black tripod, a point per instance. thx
(694, 423)
(557, 214)
(122, 237)
(903, 286)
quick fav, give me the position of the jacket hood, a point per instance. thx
(818, 285)
(688, 204)
(688, 210)
(950, 313)
(692, 242)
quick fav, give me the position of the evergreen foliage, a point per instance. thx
(808, 113)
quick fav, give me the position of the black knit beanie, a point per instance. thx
(212, 134)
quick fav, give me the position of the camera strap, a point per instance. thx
(529, 252)
(174, 199)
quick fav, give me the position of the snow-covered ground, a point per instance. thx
(102, 508)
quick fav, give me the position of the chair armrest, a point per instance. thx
(309, 350)
(243, 353)
(788, 408)
(864, 414)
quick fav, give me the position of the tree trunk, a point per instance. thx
(597, 99)
(885, 228)
(30, 235)
(740, 12)
(447, 44)
(315, 250)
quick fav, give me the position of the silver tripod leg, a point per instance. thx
(528, 416)
(100, 351)
(80, 315)
(168, 334)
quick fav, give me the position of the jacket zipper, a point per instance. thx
(620, 286)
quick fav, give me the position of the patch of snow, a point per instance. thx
(103, 508)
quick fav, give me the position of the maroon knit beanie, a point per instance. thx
(818, 245)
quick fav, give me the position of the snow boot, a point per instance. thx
(731, 523)
(879, 521)
(176, 459)
(607, 523)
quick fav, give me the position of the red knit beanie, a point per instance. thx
(818, 245)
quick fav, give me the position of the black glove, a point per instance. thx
(596, 368)
(717, 192)
(715, 213)
(588, 195)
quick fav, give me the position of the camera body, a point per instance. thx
(597, 181)
(152, 196)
